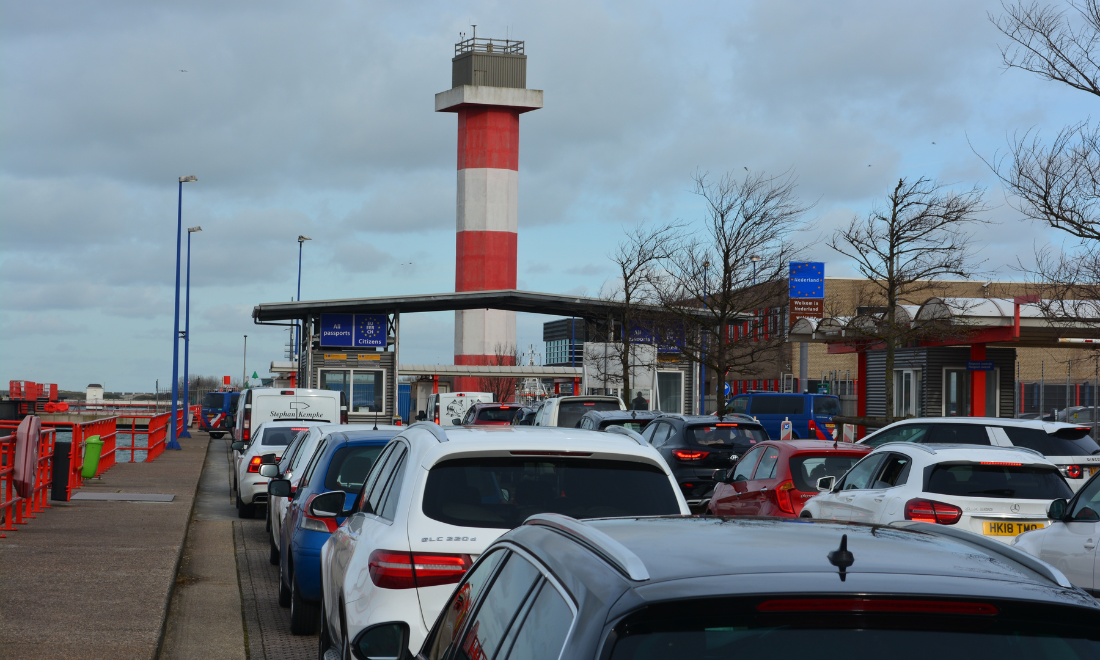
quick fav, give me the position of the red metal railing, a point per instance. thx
(11, 512)
(115, 406)
(155, 430)
(15, 510)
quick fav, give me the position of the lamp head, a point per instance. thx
(192, 230)
(756, 257)
(302, 239)
(189, 178)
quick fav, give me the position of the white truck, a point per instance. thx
(272, 404)
(448, 408)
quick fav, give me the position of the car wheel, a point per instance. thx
(244, 511)
(284, 590)
(324, 642)
(267, 518)
(303, 614)
(273, 551)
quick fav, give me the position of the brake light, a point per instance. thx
(783, 496)
(405, 570)
(299, 429)
(689, 454)
(343, 415)
(722, 425)
(998, 463)
(254, 464)
(869, 605)
(588, 404)
(244, 433)
(290, 392)
(1073, 471)
(550, 453)
(932, 512)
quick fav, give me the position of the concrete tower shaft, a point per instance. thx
(487, 203)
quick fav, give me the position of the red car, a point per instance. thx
(776, 477)
(490, 414)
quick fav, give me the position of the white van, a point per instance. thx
(449, 407)
(566, 411)
(269, 404)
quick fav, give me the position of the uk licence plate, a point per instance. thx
(1009, 528)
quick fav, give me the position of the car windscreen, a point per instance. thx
(280, 436)
(570, 412)
(1021, 482)
(807, 469)
(349, 467)
(496, 414)
(711, 630)
(502, 492)
(722, 434)
(1049, 444)
(778, 404)
(636, 425)
(213, 400)
(826, 405)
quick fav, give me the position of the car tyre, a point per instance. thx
(303, 614)
(284, 590)
(324, 642)
(244, 511)
(273, 551)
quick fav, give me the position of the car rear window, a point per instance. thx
(779, 404)
(496, 414)
(570, 412)
(1023, 482)
(725, 434)
(636, 425)
(1048, 444)
(213, 400)
(500, 493)
(807, 469)
(349, 467)
(826, 405)
(280, 436)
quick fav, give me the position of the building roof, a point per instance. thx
(486, 370)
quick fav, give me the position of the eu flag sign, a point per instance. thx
(807, 280)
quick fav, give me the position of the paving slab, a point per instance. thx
(92, 579)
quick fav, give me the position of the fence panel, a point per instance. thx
(11, 510)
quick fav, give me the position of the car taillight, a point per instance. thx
(689, 454)
(783, 496)
(254, 464)
(343, 415)
(933, 512)
(1073, 471)
(874, 605)
(405, 570)
(998, 463)
(244, 434)
(313, 524)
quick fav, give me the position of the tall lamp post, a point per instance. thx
(187, 337)
(244, 365)
(297, 327)
(702, 363)
(754, 258)
(173, 442)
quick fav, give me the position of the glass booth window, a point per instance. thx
(956, 392)
(365, 389)
(670, 391)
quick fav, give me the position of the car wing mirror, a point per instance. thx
(327, 505)
(278, 487)
(383, 641)
(269, 470)
(720, 476)
(268, 459)
(456, 422)
(240, 445)
(825, 484)
(1057, 509)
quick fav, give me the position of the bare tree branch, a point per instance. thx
(503, 388)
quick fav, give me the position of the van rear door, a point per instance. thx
(771, 409)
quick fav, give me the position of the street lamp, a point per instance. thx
(187, 336)
(297, 339)
(173, 443)
(702, 363)
(754, 258)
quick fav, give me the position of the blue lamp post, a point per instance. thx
(297, 339)
(173, 442)
(187, 335)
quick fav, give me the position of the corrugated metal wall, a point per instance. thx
(932, 362)
(495, 70)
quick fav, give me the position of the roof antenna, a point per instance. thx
(375, 421)
(841, 558)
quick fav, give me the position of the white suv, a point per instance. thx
(994, 491)
(566, 411)
(268, 438)
(436, 498)
(1069, 446)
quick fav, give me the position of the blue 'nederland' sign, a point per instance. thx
(807, 279)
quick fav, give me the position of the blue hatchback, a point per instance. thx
(771, 408)
(341, 462)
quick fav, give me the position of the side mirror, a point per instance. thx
(720, 477)
(268, 459)
(269, 470)
(278, 487)
(384, 641)
(239, 446)
(327, 505)
(825, 484)
(1057, 509)
(456, 422)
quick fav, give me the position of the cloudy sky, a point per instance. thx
(317, 118)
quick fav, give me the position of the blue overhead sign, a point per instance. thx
(979, 365)
(354, 330)
(807, 279)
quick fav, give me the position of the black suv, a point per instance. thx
(668, 588)
(635, 420)
(694, 446)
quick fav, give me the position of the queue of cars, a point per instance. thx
(413, 548)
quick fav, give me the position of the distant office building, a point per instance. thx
(564, 342)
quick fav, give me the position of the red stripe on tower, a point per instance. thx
(488, 93)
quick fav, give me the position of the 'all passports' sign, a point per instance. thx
(354, 330)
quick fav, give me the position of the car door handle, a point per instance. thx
(1089, 544)
(849, 499)
(764, 488)
(878, 499)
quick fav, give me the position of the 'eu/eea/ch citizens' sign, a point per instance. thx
(354, 330)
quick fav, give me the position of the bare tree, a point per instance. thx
(633, 300)
(724, 286)
(901, 248)
(503, 388)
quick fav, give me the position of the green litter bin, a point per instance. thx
(92, 450)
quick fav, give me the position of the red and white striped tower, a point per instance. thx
(488, 93)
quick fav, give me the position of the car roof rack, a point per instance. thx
(613, 552)
(431, 427)
(1017, 555)
(619, 429)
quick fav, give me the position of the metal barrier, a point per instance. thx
(155, 430)
(15, 510)
(11, 512)
(81, 431)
